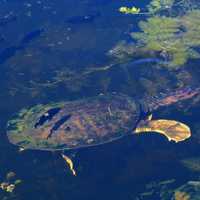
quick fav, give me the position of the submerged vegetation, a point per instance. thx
(172, 189)
(173, 38)
(158, 5)
(169, 35)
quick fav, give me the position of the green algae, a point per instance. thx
(21, 123)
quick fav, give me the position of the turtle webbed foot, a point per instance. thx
(173, 130)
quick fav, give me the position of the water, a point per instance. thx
(54, 51)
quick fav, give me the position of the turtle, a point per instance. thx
(92, 121)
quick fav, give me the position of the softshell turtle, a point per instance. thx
(93, 121)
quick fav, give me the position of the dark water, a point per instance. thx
(48, 52)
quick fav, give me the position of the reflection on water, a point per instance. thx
(53, 51)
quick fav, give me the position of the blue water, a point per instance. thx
(48, 52)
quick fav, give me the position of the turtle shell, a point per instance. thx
(74, 124)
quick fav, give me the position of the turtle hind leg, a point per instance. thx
(69, 163)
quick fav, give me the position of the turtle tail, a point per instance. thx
(173, 97)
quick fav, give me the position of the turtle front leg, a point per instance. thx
(69, 163)
(173, 130)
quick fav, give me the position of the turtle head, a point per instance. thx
(172, 97)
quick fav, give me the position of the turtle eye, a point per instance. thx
(47, 116)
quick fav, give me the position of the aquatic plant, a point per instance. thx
(191, 24)
(171, 32)
(158, 5)
(173, 7)
(173, 38)
(183, 6)
(127, 10)
(155, 6)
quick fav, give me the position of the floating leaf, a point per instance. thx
(127, 10)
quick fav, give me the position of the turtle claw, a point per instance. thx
(149, 117)
(69, 163)
(21, 149)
